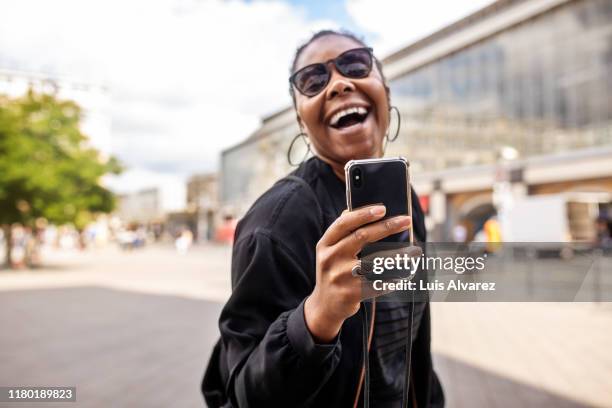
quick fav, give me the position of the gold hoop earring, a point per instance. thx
(302, 136)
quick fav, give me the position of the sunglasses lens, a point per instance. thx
(311, 80)
(355, 63)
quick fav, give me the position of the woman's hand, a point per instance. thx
(337, 293)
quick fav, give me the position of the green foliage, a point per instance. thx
(47, 168)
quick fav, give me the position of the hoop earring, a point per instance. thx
(399, 124)
(302, 136)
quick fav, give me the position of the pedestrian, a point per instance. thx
(225, 233)
(492, 230)
(184, 241)
(291, 334)
(460, 233)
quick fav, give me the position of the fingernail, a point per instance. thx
(378, 210)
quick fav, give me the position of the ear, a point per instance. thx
(299, 122)
(388, 91)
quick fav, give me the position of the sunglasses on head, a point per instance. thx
(312, 79)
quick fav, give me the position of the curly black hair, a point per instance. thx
(340, 33)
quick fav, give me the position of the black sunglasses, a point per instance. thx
(312, 79)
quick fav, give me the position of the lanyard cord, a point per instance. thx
(406, 393)
(366, 357)
(367, 329)
(366, 353)
(367, 342)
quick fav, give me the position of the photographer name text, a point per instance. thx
(453, 284)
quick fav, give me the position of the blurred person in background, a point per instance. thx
(2, 244)
(603, 232)
(184, 241)
(19, 246)
(141, 236)
(225, 232)
(291, 334)
(492, 231)
(460, 233)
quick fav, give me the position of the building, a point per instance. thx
(140, 207)
(530, 76)
(203, 202)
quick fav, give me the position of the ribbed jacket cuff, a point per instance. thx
(301, 339)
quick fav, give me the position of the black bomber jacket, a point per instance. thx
(266, 357)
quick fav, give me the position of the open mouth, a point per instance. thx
(349, 117)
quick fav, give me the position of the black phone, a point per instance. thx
(380, 181)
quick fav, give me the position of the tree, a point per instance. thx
(47, 168)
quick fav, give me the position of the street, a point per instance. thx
(132, 329)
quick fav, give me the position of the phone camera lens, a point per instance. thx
(357, 178)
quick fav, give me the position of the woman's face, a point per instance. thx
(339, 142)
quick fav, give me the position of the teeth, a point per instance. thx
(344, 112)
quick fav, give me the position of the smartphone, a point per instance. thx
(380, 181)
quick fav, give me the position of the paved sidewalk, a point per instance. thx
(135, 330)
(524, 354)
(203, 273)
(119, 348)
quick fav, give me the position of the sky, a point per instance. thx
(189, 78)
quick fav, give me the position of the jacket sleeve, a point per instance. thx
(272, 357)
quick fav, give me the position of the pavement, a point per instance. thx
(135, 329)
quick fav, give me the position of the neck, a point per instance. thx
(339, 172)
(338, 167)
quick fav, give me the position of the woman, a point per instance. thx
(290, 332)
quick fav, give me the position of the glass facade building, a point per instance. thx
(542, 86)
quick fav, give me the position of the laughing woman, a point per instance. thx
(291, 334)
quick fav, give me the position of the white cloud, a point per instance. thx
(187, 78)
(398, 23)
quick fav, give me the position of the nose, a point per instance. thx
(338, 85)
